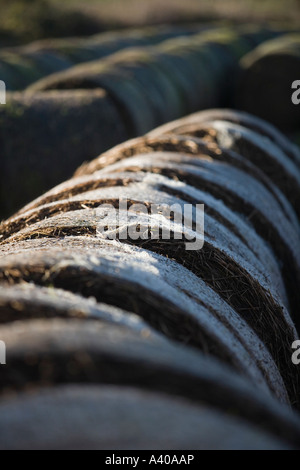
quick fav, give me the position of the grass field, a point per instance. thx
(25, 20)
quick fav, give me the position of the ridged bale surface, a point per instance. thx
(265, 85)
(184, 319)
(240, 192)
(162, 188)
(262, 127)
(185, 141)
(82, 301)
(103, 353)
(44, 137)
(281, 169)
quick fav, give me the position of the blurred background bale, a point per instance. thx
(144, 87)
(22, 65)
(155, 62)
(43, 136)
(265, 86)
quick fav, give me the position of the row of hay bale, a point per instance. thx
(176, 77)
(265, 86)
(46, 135)
(20, 66)
(123, 342)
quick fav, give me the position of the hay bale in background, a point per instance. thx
(209, 61)
(265, 86)
(25, 64)
(43, 137)
(178, 73)
(35, 302)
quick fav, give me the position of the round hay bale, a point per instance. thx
(204, 263)
(204, 148)
(159, 188)
(242, 118)
(228, 180)
(201, 71)
(265, 84)
(92, 353)
(127, 94)
(69, 189)
(57, 418)
(220, 223)
(180, 72)
(48, 62)
(40, 58)
(236, 342)
(158, 85)
(7, 74)
(262, 152)
(241, 200)
(204, 91)
(96, 354)
(34, 302)
(233, 187)
(36, 131)
(285, 250)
